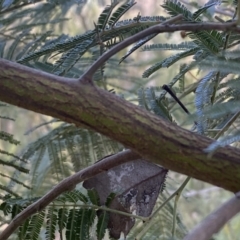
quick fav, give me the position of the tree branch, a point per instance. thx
(83, 104)
(152, 137)
(66, 185)
(161, 28)
(215, 221)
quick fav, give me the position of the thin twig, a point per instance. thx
(227, 125)
(164, 27)
(178, 195)
(66, 185)
(151, 218)
(215, 221)
(96, 207)
(89, 73)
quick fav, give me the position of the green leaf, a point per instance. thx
(167, 46)
(120, 12)
(169, 61)
(70, 231)
(84, 222)
(226, 140)
(73, 197)
(104, 16)
(8, 137)
(51, 223)
(110, 198)
(138, 45)
(203, 9)
(34, 227)
(70, 58)
(94, 197)
(59, 45)
(102, 224)
(212, 41)
(175, 8)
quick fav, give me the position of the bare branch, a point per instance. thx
(216, 220)
(67, 185)
(163, 27)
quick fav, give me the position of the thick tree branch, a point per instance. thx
(215, 221)
(152, 137)
(66, 185)
(86, 105)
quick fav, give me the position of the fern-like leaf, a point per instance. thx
(58, 46)
(73, 197)
(167, 46)
(102, 224)
(203, 98)
(70, 231)
(174, 8)
(51, 223)
(204, 8)
(69, 59)
(137, 45)
(221, 64)
(104, 16)
(93, 196)
(209, 40)
(227, 140)
(34, 227)
(62, 219)
(84, 221)
(169, 61)
(120, 12)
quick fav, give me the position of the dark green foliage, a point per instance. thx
(166, 46)
(62, 218)
(169, 61)
(174, 7)
(149, 100)
(102, 224)
(73, 218)
(104, 17)
(73, 197)
(93, 196)
(34, 226)
(51, 223)
(68, 146)
(10, 160)
(107, 33)
(8, 137)
(110, 198)
(120, 12)
(137, 46)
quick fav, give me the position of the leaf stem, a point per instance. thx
(150, 221)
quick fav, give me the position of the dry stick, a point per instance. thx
(66, 185)
(164, 27)
(216, 220)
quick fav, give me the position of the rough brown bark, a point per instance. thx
(82, 103)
